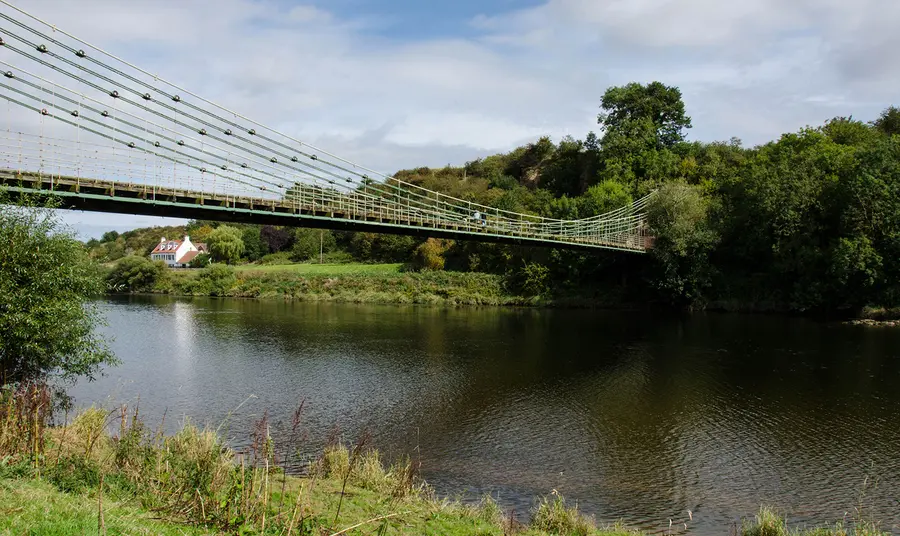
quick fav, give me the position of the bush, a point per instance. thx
(202, 260)
(135, 274)
(430, 254)
(74, 473)
(280, 258)
(216, 279)
(532, 278)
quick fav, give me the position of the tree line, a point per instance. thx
(807, 221)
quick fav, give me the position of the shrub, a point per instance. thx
(280, 258)
(74, 473)
(135, 274)
(430, 254)
(216, 279)
(202, 260)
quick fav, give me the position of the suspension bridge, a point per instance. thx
(102, 134)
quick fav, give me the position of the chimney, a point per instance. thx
(187, 238)
(162, 240)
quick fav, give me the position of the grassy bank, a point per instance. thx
(321, 269)
(352, 283)
(78, 478)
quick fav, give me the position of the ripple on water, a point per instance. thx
(634, 417)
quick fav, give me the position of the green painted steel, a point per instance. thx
(12, 182)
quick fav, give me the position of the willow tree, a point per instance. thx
(226, 244)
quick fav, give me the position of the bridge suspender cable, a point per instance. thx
(215, 151)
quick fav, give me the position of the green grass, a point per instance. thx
(321, 269)
(34, 506)
(382, 283)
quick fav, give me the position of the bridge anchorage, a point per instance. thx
(108, 136)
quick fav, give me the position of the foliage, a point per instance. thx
(601, 198)
(659, 105)
(201, 260)
(532, 279)
(46, 281)
(215, 280)
(309, 242)
(430, 254)
(276, 238)
(677, 217)
(808, 221)
(226, 244)
(553, 516)
(280, 258)
(889, 121)
(135, 274)
(140, 242)
(128, 483)
(254, 246)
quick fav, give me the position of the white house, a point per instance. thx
(176, 253)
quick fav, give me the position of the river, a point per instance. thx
(638, 417)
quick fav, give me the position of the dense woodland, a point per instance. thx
(810, 221)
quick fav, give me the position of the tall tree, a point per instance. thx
(226, 244)
(656, 102)
(889, 121)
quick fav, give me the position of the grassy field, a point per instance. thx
(321, 269)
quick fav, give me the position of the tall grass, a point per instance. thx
(768, 522)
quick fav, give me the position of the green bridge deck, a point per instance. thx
(340, 212)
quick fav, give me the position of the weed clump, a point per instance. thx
(553, 516)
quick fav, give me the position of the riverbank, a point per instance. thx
(393, 284)
(79, 479)
(379, 284)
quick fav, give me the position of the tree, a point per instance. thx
(254, 247)
(135, 274)
(602, 198)
(678, 219)
(308, 243)
(889, 121)
(657, 103)
(276, 238)
(47, 320)
(109, 236)
(225, 244)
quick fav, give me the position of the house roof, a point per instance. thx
(187, 257)
(201, 246)
(169, 246)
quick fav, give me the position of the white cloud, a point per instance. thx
(751, 69)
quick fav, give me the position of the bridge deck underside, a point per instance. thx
(130, 198)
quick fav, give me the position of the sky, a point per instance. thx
(393, 84)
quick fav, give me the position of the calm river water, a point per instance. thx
(637, 417)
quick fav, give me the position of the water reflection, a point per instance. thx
(636, 416)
